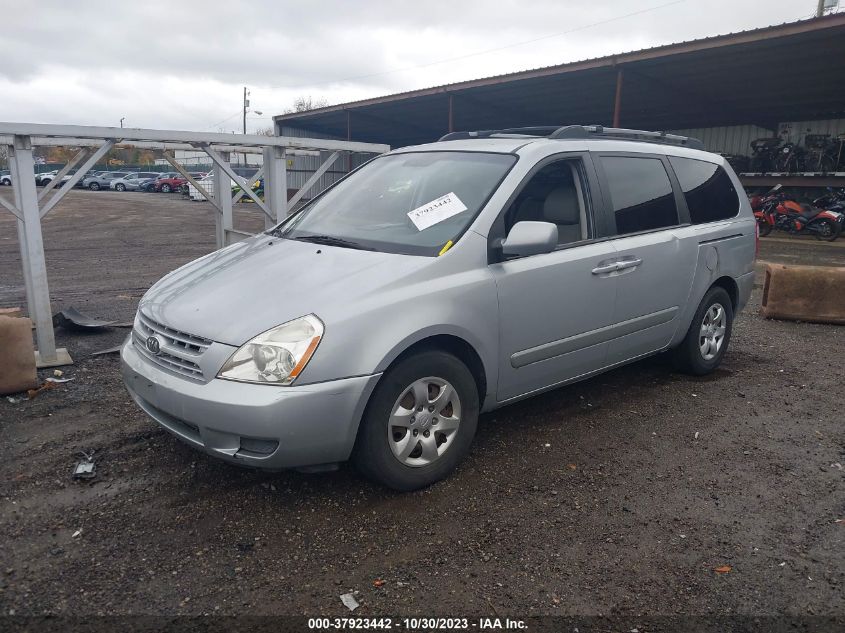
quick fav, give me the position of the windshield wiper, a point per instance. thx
(330, 240)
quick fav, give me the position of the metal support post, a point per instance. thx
(275, 184)
(617, 103)
(222, 198)
(27, 280)
(32, 255)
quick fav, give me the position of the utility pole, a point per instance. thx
(820, 9)
(121, 121)
(246, 106)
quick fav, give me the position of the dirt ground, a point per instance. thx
(619, 495)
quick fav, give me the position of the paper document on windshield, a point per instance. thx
(436, 211)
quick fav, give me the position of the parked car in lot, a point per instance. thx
(132, 182)
(45, 178)
(5, 178)
(150, 184)
(440, 281)
(175, 183)
(103, 179)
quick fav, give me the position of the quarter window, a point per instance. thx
(640, 192)
(708, 190)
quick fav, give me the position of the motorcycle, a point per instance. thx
(764, 153)
(791, 158)
(775, 210)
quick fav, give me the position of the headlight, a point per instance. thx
(277, 356)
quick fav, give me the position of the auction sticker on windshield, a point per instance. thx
(436, 211)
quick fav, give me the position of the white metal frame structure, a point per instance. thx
(30, 205)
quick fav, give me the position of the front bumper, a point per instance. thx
(261, 426)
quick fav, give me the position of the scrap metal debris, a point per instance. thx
(85, 469)
(58, 381)
(110, 350)
(73, 319)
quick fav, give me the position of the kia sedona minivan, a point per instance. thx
(441, 281)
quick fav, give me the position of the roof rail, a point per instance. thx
(598, 131)
(582, 132)
(516, 131)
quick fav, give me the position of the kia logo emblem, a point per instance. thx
(154, 345)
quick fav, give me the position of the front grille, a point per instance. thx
(180, 352)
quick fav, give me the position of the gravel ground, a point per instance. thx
(620, 495)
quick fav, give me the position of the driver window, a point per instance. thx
(554, 194)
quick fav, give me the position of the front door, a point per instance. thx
(555, 308)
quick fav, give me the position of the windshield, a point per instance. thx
(413, 203)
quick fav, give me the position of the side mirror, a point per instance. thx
(530, 238)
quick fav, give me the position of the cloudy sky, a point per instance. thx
(183, 65)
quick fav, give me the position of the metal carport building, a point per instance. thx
(727, 89)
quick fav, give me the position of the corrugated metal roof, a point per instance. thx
(758, 77)
(828, 21)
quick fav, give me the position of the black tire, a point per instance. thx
(165, 188)
(828, 230)
(764, 227)
(120, 187)
(372, 455)
(94, 186)
(688, 357)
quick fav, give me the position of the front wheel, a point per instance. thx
(828, 230)
(419, 423)
(165, 188)
(94, 186)
(120, 187)
(708, 336)
(764, 228)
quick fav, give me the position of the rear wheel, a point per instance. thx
(828, 230)
(764, 228)
(708, 336)
(419, 423)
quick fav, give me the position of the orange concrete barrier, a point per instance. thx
(17, 355)
(804, 293)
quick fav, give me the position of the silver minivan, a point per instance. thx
(441, 281)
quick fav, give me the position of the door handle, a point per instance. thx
(628, 263)
(605, 269)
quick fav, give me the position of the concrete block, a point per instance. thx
(804, 293)
(17, 356)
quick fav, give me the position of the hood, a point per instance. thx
(236, 293)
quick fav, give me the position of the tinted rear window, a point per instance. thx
(641, 194)
(708, 190)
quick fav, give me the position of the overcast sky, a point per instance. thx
(183, 65)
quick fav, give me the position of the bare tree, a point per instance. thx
(305, 103)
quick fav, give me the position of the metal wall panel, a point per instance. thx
(736, 139)
(732, 139)
(304, 166)
(795, 131)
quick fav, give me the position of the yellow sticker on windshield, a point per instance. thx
(445, 248)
